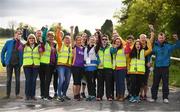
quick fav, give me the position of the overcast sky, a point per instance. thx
(87, 14)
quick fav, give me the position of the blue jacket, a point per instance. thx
(163, 53)
(6, 53)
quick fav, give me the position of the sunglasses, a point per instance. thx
(105, 39)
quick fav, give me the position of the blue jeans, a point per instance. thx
(120, 81)
(64, 76)
(30, 83)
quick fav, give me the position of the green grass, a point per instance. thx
(174, 74)
(2, 41)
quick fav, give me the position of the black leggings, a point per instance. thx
(136, 83)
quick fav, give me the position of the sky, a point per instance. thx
(86, 14)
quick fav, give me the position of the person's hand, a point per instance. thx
(40, 39)
(3, 64)
(97, 30)
(175, 36)
(59, 24)
(149, 64)
(151, 27)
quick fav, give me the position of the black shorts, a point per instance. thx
(77, 73)
(146, 77)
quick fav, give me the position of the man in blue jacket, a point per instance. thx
(11, 58)
(162, 50)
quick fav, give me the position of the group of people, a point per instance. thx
(106, 65)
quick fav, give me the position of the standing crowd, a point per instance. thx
(107, 66)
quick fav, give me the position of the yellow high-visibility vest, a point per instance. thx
(31, 56)
(45, 57)
(120, 58)
(138, 65)
(65, 55)
(105, 58)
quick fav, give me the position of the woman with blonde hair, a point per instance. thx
(63, 64)
(31, 62)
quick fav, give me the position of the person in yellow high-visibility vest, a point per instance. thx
(136, 68)
(128, 42)
(63, 64)
(31, 62)
(47, 65)
(148, 63)
(120, 67)
(105, 69)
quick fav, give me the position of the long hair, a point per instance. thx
(121, 46)
(134, 53)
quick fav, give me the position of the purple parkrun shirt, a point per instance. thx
(79, 57)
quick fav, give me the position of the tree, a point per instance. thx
(65, 32)
(107, 28)
(76, 32)
(87, 32)
(12, 25)
(137, 14)
(5, 32)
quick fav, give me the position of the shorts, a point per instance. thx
(146, 77)
(77, 73)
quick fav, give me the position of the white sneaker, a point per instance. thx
(166, 101)
(152, 100)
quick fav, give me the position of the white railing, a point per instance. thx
(173, 58)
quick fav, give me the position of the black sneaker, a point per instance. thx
(66, 98)
(49, 98)
(83, 95)
(61, 99)
(42, 97)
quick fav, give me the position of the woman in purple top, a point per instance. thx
(77, 66)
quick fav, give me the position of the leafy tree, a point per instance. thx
(135, 16)
(76, 32)
(107, 28)
(87, 32)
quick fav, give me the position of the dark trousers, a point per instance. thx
(91, 82)
(136, 83)
(160, 73)
(30, 83)
(55, 80)
(105, 76)
(45, 79)
(120, 81)
(9, 70)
